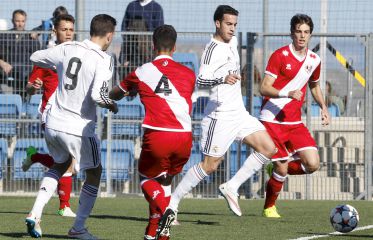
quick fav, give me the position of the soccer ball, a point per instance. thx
(344, 218)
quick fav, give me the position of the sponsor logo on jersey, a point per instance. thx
(285, 53)
(288, 66)
(308, 68)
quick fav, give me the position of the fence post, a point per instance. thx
(368, 139)
(250, 42)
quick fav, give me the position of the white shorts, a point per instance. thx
(85, 150)
(219, 134)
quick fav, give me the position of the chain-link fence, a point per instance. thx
(344, 146)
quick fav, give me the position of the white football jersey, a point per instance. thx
(84, 72)
(218, 60)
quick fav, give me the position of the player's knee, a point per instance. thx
(93, 175)
(268, 149)
(312, 167)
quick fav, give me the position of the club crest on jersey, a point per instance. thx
(288, 66)
(308, 68)
(285, 53)
(165, 63)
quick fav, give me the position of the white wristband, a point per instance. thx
(283, 94)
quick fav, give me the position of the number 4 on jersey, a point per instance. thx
(166, 88)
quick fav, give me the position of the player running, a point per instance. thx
(84, 71)
(47, 79)
(289, 70)
(225, 120)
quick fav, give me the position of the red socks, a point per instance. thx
(44, 159)
(295, 168)
(64, 189)
(273, 189)
(154, 194)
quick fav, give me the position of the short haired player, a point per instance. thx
(289, 70)
(225, 120)
(165, 88)
(84, 71)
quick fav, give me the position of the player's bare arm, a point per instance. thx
(267, 90)
(319, 98)
(232, 79)
(5, 66)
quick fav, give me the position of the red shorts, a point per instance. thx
(164, 152)
(289, 139)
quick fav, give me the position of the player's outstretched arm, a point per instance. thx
(319, 98)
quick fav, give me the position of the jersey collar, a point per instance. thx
(163, 56)
(299, 58)
(92, 44)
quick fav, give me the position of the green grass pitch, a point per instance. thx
(126, 218)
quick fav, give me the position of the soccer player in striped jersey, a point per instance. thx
(226, 118)
(47, 79)
(165, 88)
(289, 70)
(84, 71)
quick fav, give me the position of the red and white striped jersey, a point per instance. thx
(291, 73)
(50, 83)
(165, 88)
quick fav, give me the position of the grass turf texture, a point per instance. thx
(126, 218)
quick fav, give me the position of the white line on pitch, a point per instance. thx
(333, 233)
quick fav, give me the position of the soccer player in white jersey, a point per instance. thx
(289, 70)
(226, 118)
(165, 88)
(84, 71)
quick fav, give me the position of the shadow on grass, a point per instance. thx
(18, 235)
(139, 219)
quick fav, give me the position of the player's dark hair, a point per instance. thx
(300, 19)
(102, 24)
(164, 38)
(60, 10)
(224, 9)
(63, 17)
(19, 11)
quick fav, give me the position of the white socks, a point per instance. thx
(194, 175)
(251, 165)
(47, 187)
(87, 200)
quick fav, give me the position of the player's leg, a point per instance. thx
(217, 136)
(32, 156)
(49, 183)
(64, 191)
(264, 150)
(279, 135)
(306, 157)
(252, 133)
(154, 217)
(90, 161)
(181, 145)
(273, 188)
